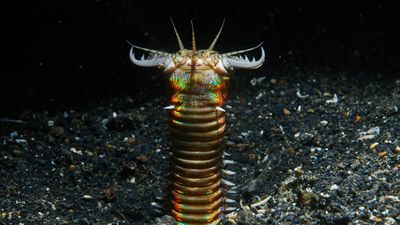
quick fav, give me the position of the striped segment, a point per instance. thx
(197, 132)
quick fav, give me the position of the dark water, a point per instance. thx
(73, 51)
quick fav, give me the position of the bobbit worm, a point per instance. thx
(198, 81)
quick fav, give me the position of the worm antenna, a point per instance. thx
(193, 39)
(216, 38)
(241, 51)
(177, 36)
(149, 50)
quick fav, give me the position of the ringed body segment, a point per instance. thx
(198, 81)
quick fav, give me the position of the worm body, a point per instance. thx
(198, 81)
(197, 130)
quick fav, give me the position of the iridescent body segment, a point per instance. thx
(198, 81)
(197, 131)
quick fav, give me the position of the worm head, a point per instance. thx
(200, 60)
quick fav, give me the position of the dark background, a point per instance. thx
(72, 53)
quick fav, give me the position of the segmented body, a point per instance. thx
(198, 82)
(197, 131)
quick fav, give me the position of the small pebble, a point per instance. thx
(87, 197)
(130, 140)
(311, 110)
(334, 187)
(142, 158)
(286, 112)
(13, 134)
(382, 154)
(246, 217)
(334, 100)
(397, 149)
(79, 152)
(165, 220)
(256, 81)
(71, 168)
(358, 118)
(308, 198)
(252, 156)
(324, 122)
(50, 123)
(375, 219)
(21, 141)
(57, 131)
(298, 171)
(373, 145)
(299, 95)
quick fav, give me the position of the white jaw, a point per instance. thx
(238, 62)
(160, 59)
